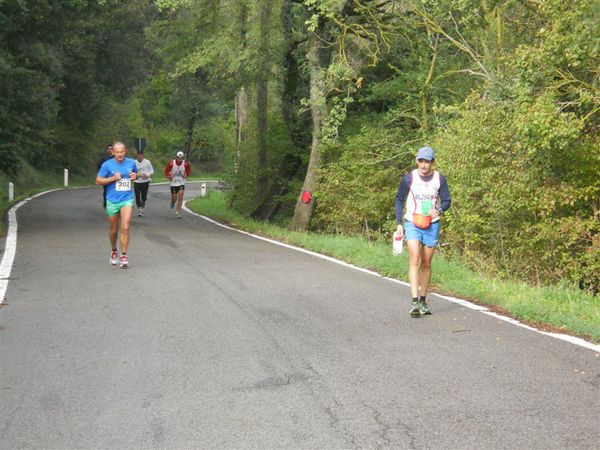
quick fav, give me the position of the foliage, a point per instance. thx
(356, 187)
(60, 64)
(522, 186)
(511, 105)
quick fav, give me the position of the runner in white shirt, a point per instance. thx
(177, 171)
(425, 194)
(142, 183)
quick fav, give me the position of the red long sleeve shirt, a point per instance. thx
(169, 167)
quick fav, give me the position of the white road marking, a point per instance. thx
(462, 302)
(10, 245)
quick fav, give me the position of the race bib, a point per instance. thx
(124, 184)
(177, 179)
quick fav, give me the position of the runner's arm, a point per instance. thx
(401, 195)
(133, 173)
(103, 181)
(104, 176)
(444, 193)
(168, 170)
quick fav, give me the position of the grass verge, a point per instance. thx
(556, 308)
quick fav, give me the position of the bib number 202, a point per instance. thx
(124, 184)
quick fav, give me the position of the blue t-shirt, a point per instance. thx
(121, 190)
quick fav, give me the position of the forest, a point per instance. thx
(333, 98)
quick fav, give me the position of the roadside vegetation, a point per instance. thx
(551, 308)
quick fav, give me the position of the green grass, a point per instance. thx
(554, 308)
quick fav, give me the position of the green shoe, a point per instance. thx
(415, 310)
(423, 308)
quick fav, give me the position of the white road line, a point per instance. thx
(10, 246)
(462, 302)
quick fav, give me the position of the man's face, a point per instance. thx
(109, 150)
(425, 166)
(119, 152)
(139, 157)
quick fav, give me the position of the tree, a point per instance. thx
(304, 209)
(59, 74)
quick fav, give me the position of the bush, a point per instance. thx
(357, 190)
(523, 189)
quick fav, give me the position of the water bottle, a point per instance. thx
(397, 243)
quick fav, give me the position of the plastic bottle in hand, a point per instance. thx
(397, 243)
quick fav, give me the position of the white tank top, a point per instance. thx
(423, 195)
(177, 173)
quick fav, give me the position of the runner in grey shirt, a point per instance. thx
(142, 183)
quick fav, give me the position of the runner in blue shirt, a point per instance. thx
(118, 174)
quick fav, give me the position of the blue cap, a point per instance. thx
(426, 153)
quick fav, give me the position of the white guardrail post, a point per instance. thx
(66, 177)
(11, 191)
(203, 190)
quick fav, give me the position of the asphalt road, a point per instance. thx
(214, 339)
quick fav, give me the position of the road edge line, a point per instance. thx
(467, 304)
(10, 244)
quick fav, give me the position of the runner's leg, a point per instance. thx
(113, 226)
(138, 194)
(179, 199)
(425, 272)
(144, 192)
(414, 252)
(126, 212)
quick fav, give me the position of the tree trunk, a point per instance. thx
(190, 134)
(297, 128)
(262, 106)
(303, 211)
(241, 97)
(241, 118)
(290, 69)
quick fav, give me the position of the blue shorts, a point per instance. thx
(427, 236)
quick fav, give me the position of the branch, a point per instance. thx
(463, 46)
